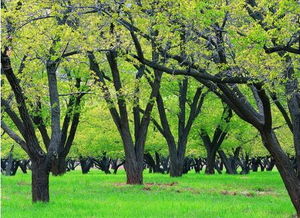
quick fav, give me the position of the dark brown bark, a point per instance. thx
(294, 108)
(55, 138)
(86, 164)
(41, 161)
(68, 131)
(116, 163)
(176, 166)
(210, 161)
(228, 166)
(14, 136)
(40, 181)
(59, 166)
(284, 166)
(13, 116)
(211, 150)
(31, 146)
(134, 171)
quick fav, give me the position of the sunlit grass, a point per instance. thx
(259, 194)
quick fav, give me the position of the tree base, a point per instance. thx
(40, 182)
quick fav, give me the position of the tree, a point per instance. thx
(213, 144)
(29, 105)
(177, 149)
(285, 47)
(133, 146)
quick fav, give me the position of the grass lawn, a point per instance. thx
(99, 195)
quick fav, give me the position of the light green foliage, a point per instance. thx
(35, 26)
(6, 144)
(97, 134)
(155, 142)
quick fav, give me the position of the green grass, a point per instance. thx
(99, 195)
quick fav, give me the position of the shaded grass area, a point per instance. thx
(260, 194)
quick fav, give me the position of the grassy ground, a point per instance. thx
(99, 195)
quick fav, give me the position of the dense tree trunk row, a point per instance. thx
(156, 164)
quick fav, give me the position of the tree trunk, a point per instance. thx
(9, 166)
(229, 169)
(40, 181)
(176, 166)
(157, 168)
(86, 164)
(134, 172)
(210, 161)
(59, 166)
(150, 162)
(176, 157)
(284, 166)
(294, 105)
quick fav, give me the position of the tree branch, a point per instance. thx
(14, 136)
(13, 116)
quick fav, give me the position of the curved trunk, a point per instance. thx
(284, 166)
(40, 181)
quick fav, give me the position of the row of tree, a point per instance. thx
(234, 164)
(58, 56)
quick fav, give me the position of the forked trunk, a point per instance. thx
(40, 181)
(284, 166)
